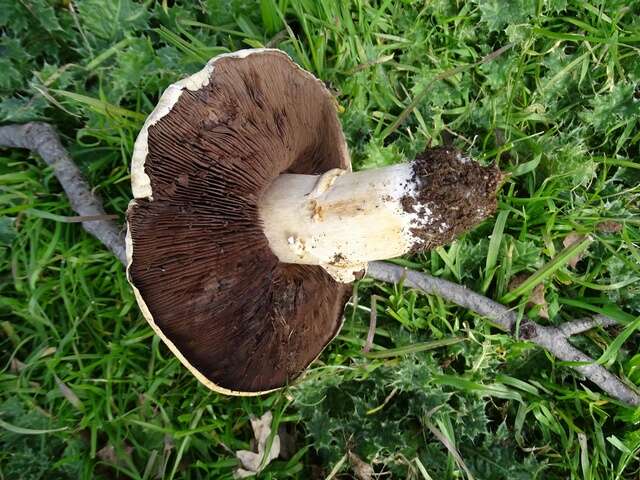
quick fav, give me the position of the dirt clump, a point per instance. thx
(458, 193)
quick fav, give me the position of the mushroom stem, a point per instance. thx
(342, 220)
(339, 220)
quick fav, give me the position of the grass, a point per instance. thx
(87, 390)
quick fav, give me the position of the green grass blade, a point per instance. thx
(494, 248)
(414, 348)
(559, 261)
(29, 431)
(612, 350)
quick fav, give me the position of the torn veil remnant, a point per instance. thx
(247, 223)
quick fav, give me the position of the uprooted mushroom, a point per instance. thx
(247, 224)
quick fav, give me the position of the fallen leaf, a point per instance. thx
(16, 366)
(609, 226)
(253, 462)
(69, 394)
(537, 298)
(570, 240)
(109, 455)
(362, 470)
(47, 351)
(517, 280)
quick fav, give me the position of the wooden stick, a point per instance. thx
(551, 339)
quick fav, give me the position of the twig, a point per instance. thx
(551, 339)
(373, 316)
(583, 324)
(42, 139)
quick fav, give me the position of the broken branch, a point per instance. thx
(372, 324)
(582, 325)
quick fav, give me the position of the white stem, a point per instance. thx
(341, 220)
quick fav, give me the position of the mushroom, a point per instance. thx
(247, 224)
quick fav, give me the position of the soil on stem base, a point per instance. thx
(457, 191)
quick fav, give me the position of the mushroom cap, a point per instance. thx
(200, 266)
